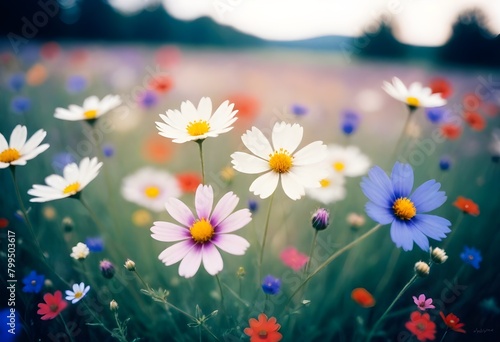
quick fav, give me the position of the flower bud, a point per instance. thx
(129, 265)
(320, 219)
(241, 272)
(355, 220)
(422, 269)
(113, 305)
(107, 269)
(67, 224)
(438, 255)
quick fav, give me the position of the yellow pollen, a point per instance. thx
(339, 166)
(280, 161)
(9, 155)
(201, 231)
(72, 188)
(152, 191)
(412, 101)
(90, 114)
(199, 127)
(78, 294)
(324, 183)
(404, 208)
(452, 321)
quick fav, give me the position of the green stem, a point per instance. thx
(142, 280)
(200, 144)
(261, 255)
(120, 328)
(331, 258)
(311, 253)
(401, 137)
(96, 318)
(454, 228)
(220, 289)
(66, 328)
(442, 338)
(375, 326)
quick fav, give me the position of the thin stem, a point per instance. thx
(95, 317)
(180, 310)
(66, 328)
(200, 144)
(220, 289)
(142, 280)
(311, 252)
(403, 133)
(261, 255)
(333, 257)
(442, 338)
(454, 227)
(211, 333)
(375, 326)
(120, 328)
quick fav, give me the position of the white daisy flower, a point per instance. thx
(191, 123)
(297, 171)
(347, 161)
(150, 188)
(18, 150)
(80, 251)
(332, 189)
(76, 178)
(79, 291)
(92, 109)
(414, 96)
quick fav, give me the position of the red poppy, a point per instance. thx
(4, 223)
(491, 109)
(452, 322)
(475, 121)
(263, 330)
(53, 305)
(189, 181)
(246, 105)
(168, 56)
(471, 102)
(50, 50)
(362, 297)
(157, 149)
(442, 86)
(451, 131)
(161, 84)
(421, 326)
(467, 206)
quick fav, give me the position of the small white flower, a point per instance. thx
(347, 161)
(297, 171)
(191, 123)
(332, 189)
(80, 251)
(150, 188)
(92, 109)
(75, 179)
(18, 150)
(415, 95)
(79, 291)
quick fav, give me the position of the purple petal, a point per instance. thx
(420, 238)
(402, 179)
(433, 226)
(191, 262)
(379, 214)
(416, 301)
(176, 252)
(230, 243)
(179, 212)
(212, 261)
(235, 221)
(378, 187)
(427, 197)
(204, 200)
(401, 235)
(225, 206)
(169, 232)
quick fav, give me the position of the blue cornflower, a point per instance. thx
(391, 201)
(60, 160)
(148, 99)
(445, 163)
(33, 282)
(435, 115)
(253, 205)
(350, 122)
(299, 110)
(271, 285)
(471, 256)
(95, 244)
(20, 104)
(17, 81)
(76, 84)
(108, 150)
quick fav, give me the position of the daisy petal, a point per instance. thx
(230, 243)
(257, 143)
(179, 211)
(235, 221)
(176, 252)
(191, 262)
(286, 136)
(212, 260)
(247, 163)
(203, 201)
(265, 185)
(223, 208)
(401, 235)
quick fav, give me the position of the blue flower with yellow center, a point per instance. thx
(392, 201)
(33, 282)
(471, 256)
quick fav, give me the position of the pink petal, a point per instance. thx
(169, 232)
(179, 211)
(225, 206)
(235, 221)
(191, 262)
(421, 298)
(176, 252)
(212, 260)
(230, 243)
(204, 200)
(415, 300)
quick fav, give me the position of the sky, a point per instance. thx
(415, 22)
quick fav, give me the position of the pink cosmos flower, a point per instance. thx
(292, 258)
(199, 236)
(422, 303)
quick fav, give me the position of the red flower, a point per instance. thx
(362, 297)
(53, 305)
(475, 121)
(263, 330)
(442, 86)
(161, 84)
(467, 206)
(4, 223)
(189, 181)
(452, 322)
(451, 131)
(421, 326)
(247, 107)
(471, 102)
(157, 149)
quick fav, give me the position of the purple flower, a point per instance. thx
(108, 150)
(33, 282)
(271, 285)
(20, 104)
(148, 99)
(299, 110)
(350, 122)
(445, 163)
(391, 201)
(200, 236)
(16, 82)
(320, 219)
(107, 269)
(76, 84)
(422, 303)
(253, 205)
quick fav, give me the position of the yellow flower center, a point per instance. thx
(404, 208)
(152, 191)
(9, 155)
(412, 101)
(325, 183)
(201, 231)
(90, 114)
(452, 321)
(53, 307)
(280, 161)
(78, 294)
(199, 127)
(72, 188)
(338, 166)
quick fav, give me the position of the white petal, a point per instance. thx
(176, 252)
(247, 163)
(191, 262)
(18, 137)
(169, 232)
(257, 143)
(292, 186)
(313, 153)
(265, 185)
(235, 221)
(179, 212)
(212, 260)
(223, 208)
(230, 243)
(205, 108)
(203, 201)
(287, 136)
